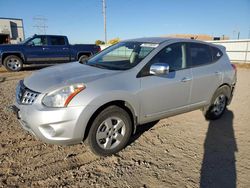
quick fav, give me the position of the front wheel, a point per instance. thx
(217, 106)
(110, 131)
(13, 63)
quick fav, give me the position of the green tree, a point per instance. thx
(99, 42)
(114, 41)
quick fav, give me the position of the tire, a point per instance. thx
(13, 63)
(82, 59)
(218, 104)
(110, 131)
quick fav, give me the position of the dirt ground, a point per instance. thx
(181, 151)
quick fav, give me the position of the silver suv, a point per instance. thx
(133, 82)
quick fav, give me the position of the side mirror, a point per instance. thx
(30, 43)
(159, 69)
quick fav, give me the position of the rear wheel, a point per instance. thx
(110, 131)
(13, 63)
(217, 106)
(83, 58)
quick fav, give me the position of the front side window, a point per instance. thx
(200, 54)
(122, 56)
(174, 55)
(38, 41)
(57, 40)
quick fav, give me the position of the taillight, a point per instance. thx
(234, 67)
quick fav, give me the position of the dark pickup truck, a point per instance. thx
(44, 49)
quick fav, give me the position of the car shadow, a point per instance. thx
(218, 165)
(140, 129)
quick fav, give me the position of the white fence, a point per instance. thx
(237, 50)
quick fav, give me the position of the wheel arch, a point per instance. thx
(227, 89)
(17, 53)
(87, 53)
(120, 103)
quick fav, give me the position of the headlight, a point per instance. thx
(62, 97)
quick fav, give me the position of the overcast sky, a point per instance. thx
(82, 20)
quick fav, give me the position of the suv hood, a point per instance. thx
(48, 79)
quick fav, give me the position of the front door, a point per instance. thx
(37, 50)
(163, 95)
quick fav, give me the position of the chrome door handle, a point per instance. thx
(65, 48)
(185, 79)
(45, 48)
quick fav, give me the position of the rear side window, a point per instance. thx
(216, 53)
(200, 54)
(57, 41)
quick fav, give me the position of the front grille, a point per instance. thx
(24, 95)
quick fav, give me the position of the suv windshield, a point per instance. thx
(122, 56)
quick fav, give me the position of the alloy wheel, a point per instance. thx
(110, 133)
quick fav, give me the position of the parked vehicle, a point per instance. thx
(41, 49)
(133, 82)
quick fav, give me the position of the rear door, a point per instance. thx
(58, 49)
(206, 71)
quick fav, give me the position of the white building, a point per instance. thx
(11, 30)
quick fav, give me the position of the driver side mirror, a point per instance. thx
(30, 43)
(159, 69)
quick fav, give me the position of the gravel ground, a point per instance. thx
(181, 151)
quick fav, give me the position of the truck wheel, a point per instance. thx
(82, 59)
(13, 63)
(217, 106)
(110, 131)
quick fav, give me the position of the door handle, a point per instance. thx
(45, 48)
(185, 79)
(65, 48)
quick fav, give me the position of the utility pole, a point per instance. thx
(40, 24)
(104, 17)
(238, 35)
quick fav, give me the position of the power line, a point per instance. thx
(40, 24)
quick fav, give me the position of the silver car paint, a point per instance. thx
(150, 98)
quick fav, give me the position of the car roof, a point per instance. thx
(159, 40)
(49, 35)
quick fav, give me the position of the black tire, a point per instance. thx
(107, 132)
(83, 58)
(13, 63)
(214, 110)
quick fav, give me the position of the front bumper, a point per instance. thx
(63, 126)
